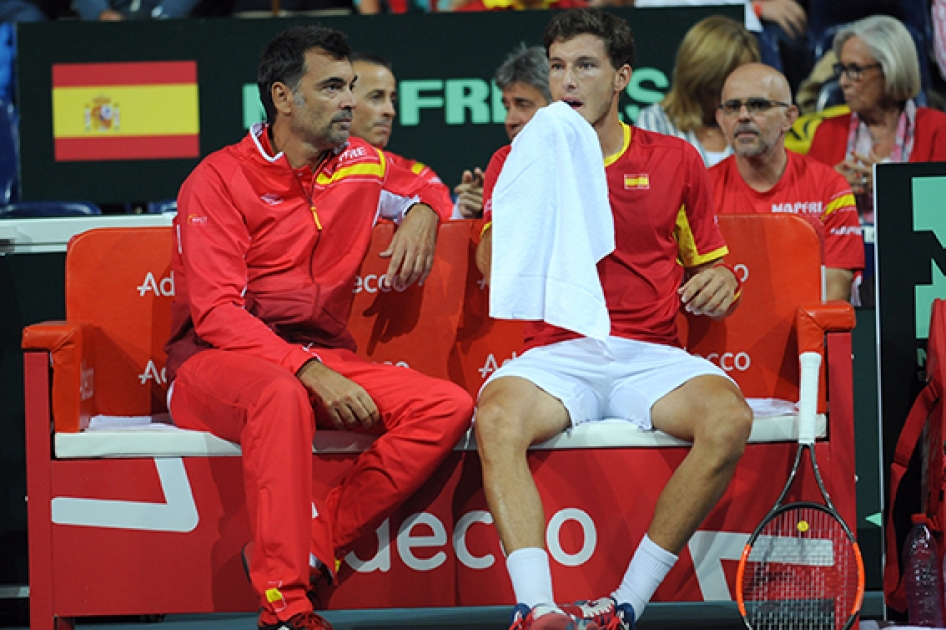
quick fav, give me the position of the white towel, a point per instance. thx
(552, 223)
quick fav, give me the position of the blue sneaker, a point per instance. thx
(605, 612)
(623, 618)
(546, 617)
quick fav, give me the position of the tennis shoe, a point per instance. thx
(545, 617)
(320, 580)
(301, 621)
(605, 612)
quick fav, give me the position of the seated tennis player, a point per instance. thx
(656, 212)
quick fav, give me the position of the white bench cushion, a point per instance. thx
(110, 437)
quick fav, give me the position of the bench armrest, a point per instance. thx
(72, 358)
(812, 323)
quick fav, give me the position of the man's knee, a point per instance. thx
(499, 426)
(284, 386)
(440, 397)
(457, 400)
(728, 423)
(456, 406)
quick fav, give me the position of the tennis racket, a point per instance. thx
(801, 568)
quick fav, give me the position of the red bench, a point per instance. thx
(151, 520)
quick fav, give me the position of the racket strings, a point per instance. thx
(801, 574)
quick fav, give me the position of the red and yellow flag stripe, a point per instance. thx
(126, 111)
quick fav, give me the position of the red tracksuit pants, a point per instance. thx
(268, 412)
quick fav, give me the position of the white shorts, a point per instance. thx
(617, 378)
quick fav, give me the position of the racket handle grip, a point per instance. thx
(808, 396)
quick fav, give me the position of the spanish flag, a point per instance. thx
(640, 181)
(125, 111)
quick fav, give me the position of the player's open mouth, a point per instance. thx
(573, 103)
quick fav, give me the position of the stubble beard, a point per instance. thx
(752, 151)
(759, 147)
(333, 136)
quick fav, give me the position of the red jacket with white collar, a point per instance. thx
(265, 257)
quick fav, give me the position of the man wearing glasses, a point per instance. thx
(763, 176)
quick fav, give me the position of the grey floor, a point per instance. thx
(721, 616)
(349, 620)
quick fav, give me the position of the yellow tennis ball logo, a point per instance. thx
(802, 526)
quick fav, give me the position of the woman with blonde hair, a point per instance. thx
(709, 52)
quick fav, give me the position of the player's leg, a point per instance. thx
(529, 400)
(422, 419)
(512, 414)
(688, 397)
(708, 410)
(266, 410)
(711, 412)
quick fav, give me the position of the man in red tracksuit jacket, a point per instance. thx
(269, 237)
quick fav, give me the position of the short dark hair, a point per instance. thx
(373, 59)
(283, 59)
(528, 65)
(614, 31)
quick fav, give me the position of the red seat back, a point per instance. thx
(482, 344)
(778, 257)
(415, 327)
(120, 280)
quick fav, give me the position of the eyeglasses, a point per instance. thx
(752, 105)
(853, 71)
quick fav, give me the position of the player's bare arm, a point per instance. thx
(838, 283)
(412, 249)
(711, 289)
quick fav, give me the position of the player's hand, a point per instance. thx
(786, 13)
(412, 249)
(711, 291)
(470, 194)
(484, 253)
(347, 404)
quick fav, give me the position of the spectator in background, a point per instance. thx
(517, 5)
(375, 94)
(879, 72)
(939, 35)
(287, 8)
(762, 176)
(780, 26)
(783, 38)
(709, 52)
(11, 12)
(524, 79)
(117, 10)
(789, 15)
(20, 11)
(826, 17)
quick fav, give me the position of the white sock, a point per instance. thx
(530, 575)
(647, 569)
